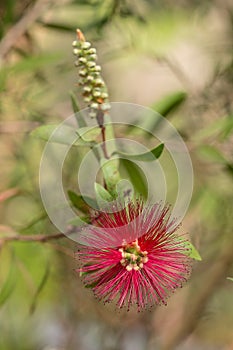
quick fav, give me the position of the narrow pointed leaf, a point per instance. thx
(192, 251)
(136, 176)
(111, 174)
(8, 285)
(102, 195)
(211, 154)
(80, 120)
(59, 26)
(80, 202)
(88, 134)
(145, 157)
(169, 102)
(59, 134)
(80, 221)
(40, 288)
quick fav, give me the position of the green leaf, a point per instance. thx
(31, 63)
(168, 103)
(80, 202)
(192, 252)
(92, 285)
(74, 102)
(9, 14)
(40, 288)
(230, 278)
(80, 120)
(81, 274)
(229, 168)
(163, 107)
(111, 174)
(102, 195)
(61, 135)
(80, 221)
(228, 128)
(149, 156)
(211, 154)
(8, 286)
(221, 128)
(125, 191)
(136, 176)
(88, 133)
(59, 26)
(57, 133)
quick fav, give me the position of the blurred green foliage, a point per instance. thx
(174, 57)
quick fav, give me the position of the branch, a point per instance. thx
(24, 23)
(40, 239)
(31, 238)
(8, 194)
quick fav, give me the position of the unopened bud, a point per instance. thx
(91, 64)
(90, 78)
(80, 35)
(83, 72)
(97, 93)
(87, 89)
(82, 60)
(97, 68)
(104, 95)
(87, 99)
(93, 57)
(76, 52)
(92, 51)
(94, 105)
(98, 82)
(85, 45)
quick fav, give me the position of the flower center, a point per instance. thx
(132, 256)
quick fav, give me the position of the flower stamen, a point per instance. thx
(133, 258)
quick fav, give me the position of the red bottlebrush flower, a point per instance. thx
(134, 256)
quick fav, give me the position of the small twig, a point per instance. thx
(11, 192)
(22, 26)
(19, 29)
(39, 239)
(100, 120)
(31, 238)
(104, 142)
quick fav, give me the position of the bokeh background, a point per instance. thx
(175, 57)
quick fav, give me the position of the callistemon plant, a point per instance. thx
(134, 256)
(131, 252)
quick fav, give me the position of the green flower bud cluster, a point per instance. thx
(93, 86)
